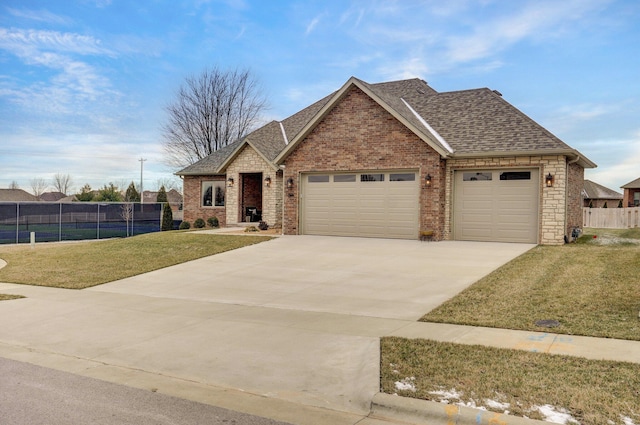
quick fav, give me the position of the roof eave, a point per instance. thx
(572, 154)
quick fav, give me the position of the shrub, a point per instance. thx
(167, 218)
(263, 225)
(251, 229)
(199, 223)
(184, 225)
(213, 222)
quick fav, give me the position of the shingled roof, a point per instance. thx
(593, 190)
(468, 123)
(635, 184)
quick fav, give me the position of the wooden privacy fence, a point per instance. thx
(611, 218)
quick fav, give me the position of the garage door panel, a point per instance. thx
(503, 206)
(382, 208)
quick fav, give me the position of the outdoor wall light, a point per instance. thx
(289, 183)
(230, 182)
(427, 180)
(267, 181)
(548, 181)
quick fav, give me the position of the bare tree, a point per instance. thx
(62, 183)
(14, 185)
(38, 186)
(210, 111)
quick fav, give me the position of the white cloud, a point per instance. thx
(312, 25)
(618, 160)
(537, 20)
(39, 16)
(23, 42)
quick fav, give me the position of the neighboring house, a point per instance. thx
(392, 160)
(598, 196)
(173, 197)
(52, 196)
(16, 195)
(631, 193)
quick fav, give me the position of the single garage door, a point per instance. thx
(496, 205)
(366, 204)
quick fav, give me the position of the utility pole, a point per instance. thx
(142, 160)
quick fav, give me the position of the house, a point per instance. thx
(598, 196)
(173, 197)
(392, 160)
(631, 193)
(16, 195)
(52, 196)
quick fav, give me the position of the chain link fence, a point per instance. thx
(76, 221)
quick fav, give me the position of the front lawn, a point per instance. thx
(84, 264)
(591, 288)
(538, 386)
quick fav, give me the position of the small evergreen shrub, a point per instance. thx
(199, 223)
(184, 225)
(263, 225)
(213, 222)
(167, 218)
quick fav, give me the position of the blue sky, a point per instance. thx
(84, 83)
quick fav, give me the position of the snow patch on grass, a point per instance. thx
(406, 384)
(554, 414)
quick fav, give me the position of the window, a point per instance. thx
(319, 178)
(515, 175)
(402, 177)
(344, 178)
(213, 193)
(371, 177)
(636, 199)
(477, 177)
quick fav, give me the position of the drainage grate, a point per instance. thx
(548, 323)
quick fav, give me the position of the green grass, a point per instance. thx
(7, 297)
(592, 288)
(84, 264)
(593, 392)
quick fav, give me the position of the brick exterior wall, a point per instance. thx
(575, 175)
(359, 135)
(192, 207)
(560, 205)
(249, 161)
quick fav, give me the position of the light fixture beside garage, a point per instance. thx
(427, 180)
(230, 182)
(267, 181)
(289, 183)
(548, 181)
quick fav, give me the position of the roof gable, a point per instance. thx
(632, 184)
(387, 99)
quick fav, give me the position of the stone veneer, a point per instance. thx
(359, 135)
(249, 161)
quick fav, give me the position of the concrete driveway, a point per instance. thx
(297, 318)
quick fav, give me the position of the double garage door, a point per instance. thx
(496, 205)
(489, 205)
(367, 204)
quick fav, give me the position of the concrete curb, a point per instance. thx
(417, 411)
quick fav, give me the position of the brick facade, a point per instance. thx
(359, 135)
(193, 208)
(575, 176)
